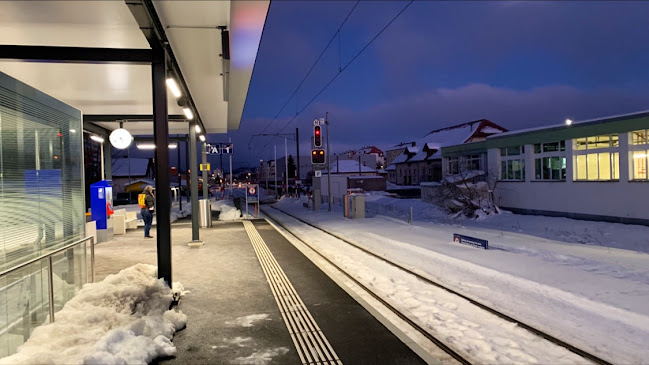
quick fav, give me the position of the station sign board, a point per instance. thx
(219, 148)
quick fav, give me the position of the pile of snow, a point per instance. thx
(124, 319)
(227, 209)
(391, 186)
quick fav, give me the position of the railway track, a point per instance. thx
(455, 354)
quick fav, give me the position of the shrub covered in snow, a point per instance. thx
(463, 194)
(124, 319)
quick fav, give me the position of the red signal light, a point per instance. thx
(317, 138)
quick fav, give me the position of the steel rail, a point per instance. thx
(444, 347)
(545, 335)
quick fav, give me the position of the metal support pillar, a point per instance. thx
(231, 196)
(187, 168)
(297, 152)
(286, 163)
(205, 171)
(329, 198)
(108, 162)
(221, 166)
(162, 181)
(180, 178)
(193, 176)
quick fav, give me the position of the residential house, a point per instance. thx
(396, 150)
(422, 162)
(130, 170)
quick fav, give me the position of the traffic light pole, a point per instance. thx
(328, 164)
(286, 163)
(297, 150)
(231, 197)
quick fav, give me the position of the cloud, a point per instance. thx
(412, 117)
(409, 118)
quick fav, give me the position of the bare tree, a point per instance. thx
(468, 193)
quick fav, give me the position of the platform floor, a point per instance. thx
(233, 316)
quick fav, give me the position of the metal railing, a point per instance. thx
(50, 275)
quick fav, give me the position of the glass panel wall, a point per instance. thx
(41, 206)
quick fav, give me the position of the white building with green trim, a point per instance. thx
(593, 169)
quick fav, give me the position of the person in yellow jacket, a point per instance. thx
(148, 209)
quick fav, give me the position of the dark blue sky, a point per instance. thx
(517, 63)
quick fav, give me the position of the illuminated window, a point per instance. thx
(639, 137)
(550, 161)
(595, 142)
(512, 163)
(640, 162)
(603, 165)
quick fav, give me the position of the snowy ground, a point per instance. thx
(124, 319)
(391, 186)
(593, 297)
(227, 209)
(630, 237)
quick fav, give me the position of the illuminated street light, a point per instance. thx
(202, 138)
(145, 146)
(188, 113)
(96, 138)
(568, 122)
(173, 87)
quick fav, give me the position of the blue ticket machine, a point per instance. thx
(101, 208)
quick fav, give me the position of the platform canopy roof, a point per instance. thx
(124, 91)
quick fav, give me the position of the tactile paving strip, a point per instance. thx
(311, 344)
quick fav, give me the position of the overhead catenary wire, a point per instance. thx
(312, 66)
(343, 68)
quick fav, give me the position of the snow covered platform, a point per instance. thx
(234, 316)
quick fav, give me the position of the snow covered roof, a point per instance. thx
(347, 166)
(146, 181)
(461, 133)
(399, 146)
(412, 150)
(466, 175)
(399, 159)
(364, 177)
(450, 136)
(609, 118)
(124, 167)
(392, 167)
